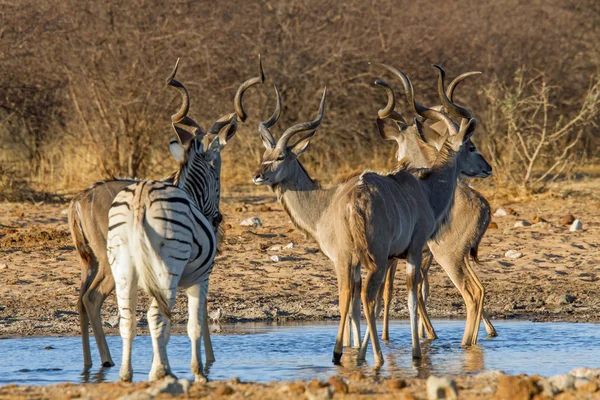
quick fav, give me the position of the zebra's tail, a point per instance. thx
(146, 261)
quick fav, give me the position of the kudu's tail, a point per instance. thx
(358, 207)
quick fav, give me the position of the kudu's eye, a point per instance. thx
(280, 158)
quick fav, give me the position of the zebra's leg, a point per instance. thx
(126, 290)
(196, 308)
(159, 331)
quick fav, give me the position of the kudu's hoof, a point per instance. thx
(337, 358)
(108, 364)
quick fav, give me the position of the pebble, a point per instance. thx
(515, 387)
(338, 384)
(290, 245)
(3, 266)
(537, 219)
(254, 222)
(567, 220)
(136, 396)
(441, 388)
(521, 223)
(576, 226)
(275, 248)
(325, 393)
(275, 258)
(560, 299)
(396, 384)
(590, 373)
(170, 385)
(114, 321)
(513, 254)
(562, 382)
(48, 348)
(223, 390)
(501, 212)
(493, 225)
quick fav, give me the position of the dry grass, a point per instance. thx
(82, 92)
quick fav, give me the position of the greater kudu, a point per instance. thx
(367, 220)
(455, 249)
(88, 222)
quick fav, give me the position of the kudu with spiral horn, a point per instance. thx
(367, 220)
(88, 222)
(456, 247)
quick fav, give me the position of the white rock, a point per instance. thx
(171, 386)
(576, 226)
(513, 254)
(136, 396)
(3, 266)
(580, 381)
(441, 388)
(562, 382)
(589, 373)
(541, 225)
(548, 390)
(254, 222)
(114, 321)
(274, 248)
(325, 393)
(501, 212)
(521, 223)
(65, 211)
(290, 245)
(492, 374)
(276, 258)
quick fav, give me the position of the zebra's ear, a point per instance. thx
(178, 151)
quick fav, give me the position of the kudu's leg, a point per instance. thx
(370, 290)
(489, 328)
(94, 298)
(208, 349)
(88, 271)
(197, 311)
(388, 293)
(345, 282)
(126, 291)
(423, 292)
(413, 276)
(455, 267)
(480, 295)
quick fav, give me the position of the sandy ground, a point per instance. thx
(584, 384)
(554, 280)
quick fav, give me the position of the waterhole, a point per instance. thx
(266, 352)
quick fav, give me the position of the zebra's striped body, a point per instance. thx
(158, 238)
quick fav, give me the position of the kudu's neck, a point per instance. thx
(440, 184)
(302, 198)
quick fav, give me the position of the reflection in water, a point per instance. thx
(473, 363)
(265, 352)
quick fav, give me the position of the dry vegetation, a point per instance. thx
(82, 92)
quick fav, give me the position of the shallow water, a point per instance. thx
(303, 351)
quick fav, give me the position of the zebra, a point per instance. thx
(88, 222)
(159, 237)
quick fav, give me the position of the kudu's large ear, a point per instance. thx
(388, 131)
(467, 128)
(301, 145)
